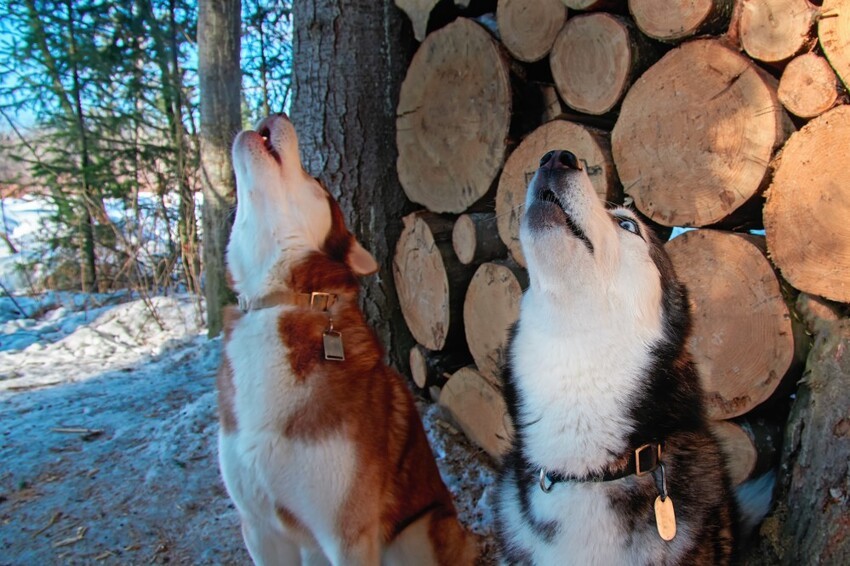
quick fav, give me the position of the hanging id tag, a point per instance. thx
(665, 515)
(332, 341)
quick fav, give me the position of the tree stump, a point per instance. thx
(742, 340)
(696, 134)
(418, 11)
(673, 21)
(478, 408)
(594, 60)
(453, 117)
(490, 308)
(475, 238)
(430, 280)
(808, 86)
(807, 208)
(432, 369)
(834, 36)
(776, 30)
(529, 27)
(590, 145)
(810, 524)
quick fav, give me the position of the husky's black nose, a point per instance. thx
(560, 159)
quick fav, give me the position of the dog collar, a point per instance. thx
(642, 461)
(317, 300)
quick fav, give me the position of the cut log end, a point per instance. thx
(776, 30)
(490, 308)
(591, 62)
(453, 118)
(418, 11)
(736, 301)
(431, 369)
(696, 134)
(808, 86)
(475, 238)
(808, 203)
(529, 27)
(429, 279)
(834, 36)
(479, 410)
(673, 21)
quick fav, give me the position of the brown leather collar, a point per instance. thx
(316, 300)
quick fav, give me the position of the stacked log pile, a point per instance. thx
(727, 116)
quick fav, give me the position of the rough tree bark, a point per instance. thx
(349, 58)
(220, 85)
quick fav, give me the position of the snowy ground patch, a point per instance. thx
(108, 437)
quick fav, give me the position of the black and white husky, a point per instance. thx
(612, 460)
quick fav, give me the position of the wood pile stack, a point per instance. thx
(717, 114)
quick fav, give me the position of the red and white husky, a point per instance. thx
(321, 447)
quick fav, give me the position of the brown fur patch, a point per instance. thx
(224, 378)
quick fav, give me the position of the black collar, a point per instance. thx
(642, 461)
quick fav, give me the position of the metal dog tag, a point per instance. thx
(665, 518)
(332, 341)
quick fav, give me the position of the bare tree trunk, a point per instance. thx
(220, 86)
(349, 58)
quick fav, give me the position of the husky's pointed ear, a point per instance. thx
(360, 261)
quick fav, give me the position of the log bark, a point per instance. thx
(811, 524)
(478, 408)
(674, 21)
(775, 30)
(834, 36)
(475, 238)
(453, 118)
(528, 28)
(432, 369)
(490, 308)
(696, 134)
(807, 207)
(418, 11)
(592, 147)
(743, 340)
(430, 280)
(595, 59)
(808, 86)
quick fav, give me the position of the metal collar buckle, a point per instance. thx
(646, 459)
(316, 297)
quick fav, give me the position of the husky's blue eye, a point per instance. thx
(628, 224)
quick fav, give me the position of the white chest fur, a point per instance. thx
(262, 469)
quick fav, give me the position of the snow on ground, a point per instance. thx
(108, 437)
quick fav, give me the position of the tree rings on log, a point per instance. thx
(453, 116)
(594, 60)
(490, 308)
(834, 36)
(429, 279)
(808, 86)
(696, 134)
(590, 145)
(776, 30)
(742, 340)
(529, 27)
(478, 408)
(808, 205)
(672, 21)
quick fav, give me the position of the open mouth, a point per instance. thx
(548, 196)
(266, 134)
